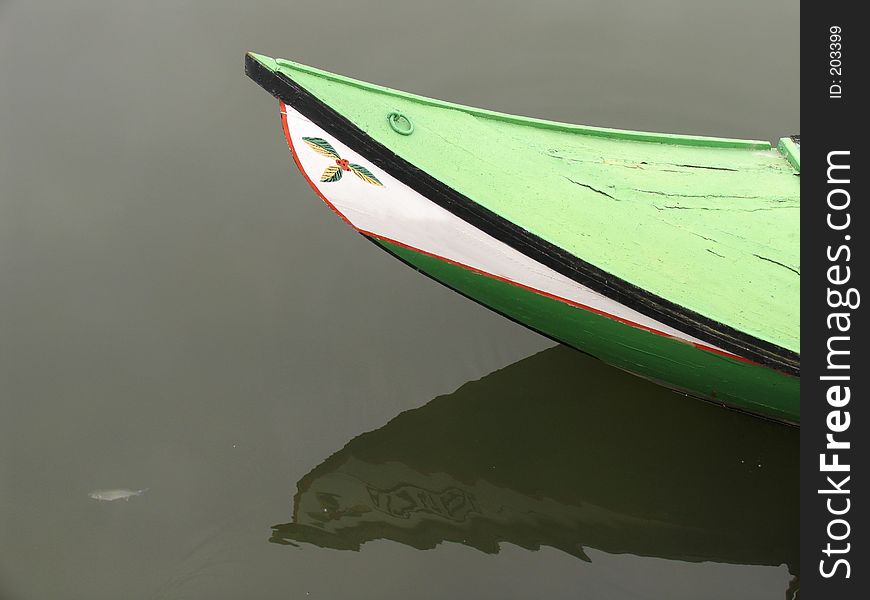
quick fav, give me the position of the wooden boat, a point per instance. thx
(673, 257)
(561, 451)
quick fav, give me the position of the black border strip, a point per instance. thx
(536, 248)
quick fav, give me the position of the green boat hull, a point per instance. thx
(675, 258)
(734, 383)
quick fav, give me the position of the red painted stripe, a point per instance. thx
(485, 273)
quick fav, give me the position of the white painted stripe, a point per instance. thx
(399, 213)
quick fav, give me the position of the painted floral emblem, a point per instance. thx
(334, 172)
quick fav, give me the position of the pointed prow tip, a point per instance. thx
(252, 58)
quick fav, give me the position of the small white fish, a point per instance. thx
(118, 494)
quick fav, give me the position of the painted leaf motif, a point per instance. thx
(364, 174)
(331, 174)
(321, 146)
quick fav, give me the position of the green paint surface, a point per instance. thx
(791, 151)
(710, 224)
(743, 385)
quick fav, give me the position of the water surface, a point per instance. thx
(178, 312)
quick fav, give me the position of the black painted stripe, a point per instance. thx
(536, 248)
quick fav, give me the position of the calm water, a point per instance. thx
(311, 419)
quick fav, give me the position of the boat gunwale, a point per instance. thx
(742, 344)
(675, 139)
(792, 152)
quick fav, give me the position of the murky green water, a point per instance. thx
(311, 419)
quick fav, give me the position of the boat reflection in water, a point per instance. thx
(561, 450)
